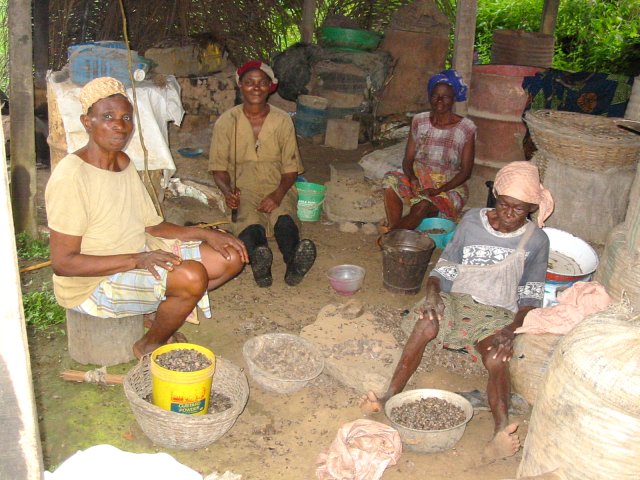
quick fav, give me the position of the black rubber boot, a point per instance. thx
(261, 266)
(260, 257)
(287, 237)
(303, 259)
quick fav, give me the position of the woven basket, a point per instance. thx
(585, 141)
(180, 431)
(285, 341)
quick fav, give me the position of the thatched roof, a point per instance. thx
(245, 28)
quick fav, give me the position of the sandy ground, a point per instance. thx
(277, 436)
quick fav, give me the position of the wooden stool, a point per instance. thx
(102, 341)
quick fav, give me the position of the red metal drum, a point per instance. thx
(496, 103)
(517, 47)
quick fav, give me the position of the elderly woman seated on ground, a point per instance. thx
(437, 162)
(488, 277)
(110, 251)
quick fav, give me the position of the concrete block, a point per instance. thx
(102, 341)
(342, 134)
(346, 172)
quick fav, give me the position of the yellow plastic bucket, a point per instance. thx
(182, 392)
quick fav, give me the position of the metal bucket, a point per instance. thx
(405, 258)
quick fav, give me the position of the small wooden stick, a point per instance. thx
(213, 224)
(36, 266)
(92, 376)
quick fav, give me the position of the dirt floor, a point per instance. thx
(277, 436)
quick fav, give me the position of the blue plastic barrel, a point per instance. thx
(310, 121)
(91, 61)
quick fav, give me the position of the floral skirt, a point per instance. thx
(449, 203)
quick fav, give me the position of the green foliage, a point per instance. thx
(4, 46)
(598, 36)
(590, 35)
(41, 310)
(504, 14)
(367, 14)
(30, 248)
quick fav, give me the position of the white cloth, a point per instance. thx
(106, 462)
(157, 106)
(362, 450)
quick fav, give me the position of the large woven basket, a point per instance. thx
(584, 141)
(180, 431)
(284, 341)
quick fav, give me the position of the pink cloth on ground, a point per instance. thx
(574, 304)
(362, 450)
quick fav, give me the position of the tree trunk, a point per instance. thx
(308, 18)
(23, 146)
(21, 454)
(549, 16)
(465, 33)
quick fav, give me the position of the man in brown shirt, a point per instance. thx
(255, 144)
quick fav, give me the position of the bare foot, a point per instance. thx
(505, 443)
(137, 351)
(370, 403)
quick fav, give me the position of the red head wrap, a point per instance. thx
(258, 65)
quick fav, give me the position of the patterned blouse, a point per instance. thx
(475, 242)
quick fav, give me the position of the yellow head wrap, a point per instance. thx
(100, 88)
(521, 181)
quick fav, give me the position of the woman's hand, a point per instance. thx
(502, 344)
(415, 184)
(157, 258)
(222, 241)
(270, 202)
(432, 192)
(435, 305)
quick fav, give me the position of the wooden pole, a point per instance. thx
(464, 39)
(549, 16)
(23, 145)
(21, 454)
(308, 20)
(40, 50)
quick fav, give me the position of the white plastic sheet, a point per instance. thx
(157, 106)
(106, 462)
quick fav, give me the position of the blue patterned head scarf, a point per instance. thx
(449, 77)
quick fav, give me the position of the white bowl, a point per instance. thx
(429, 441)
(282, 341)
(346, 279)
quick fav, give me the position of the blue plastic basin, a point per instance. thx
(433, 223)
